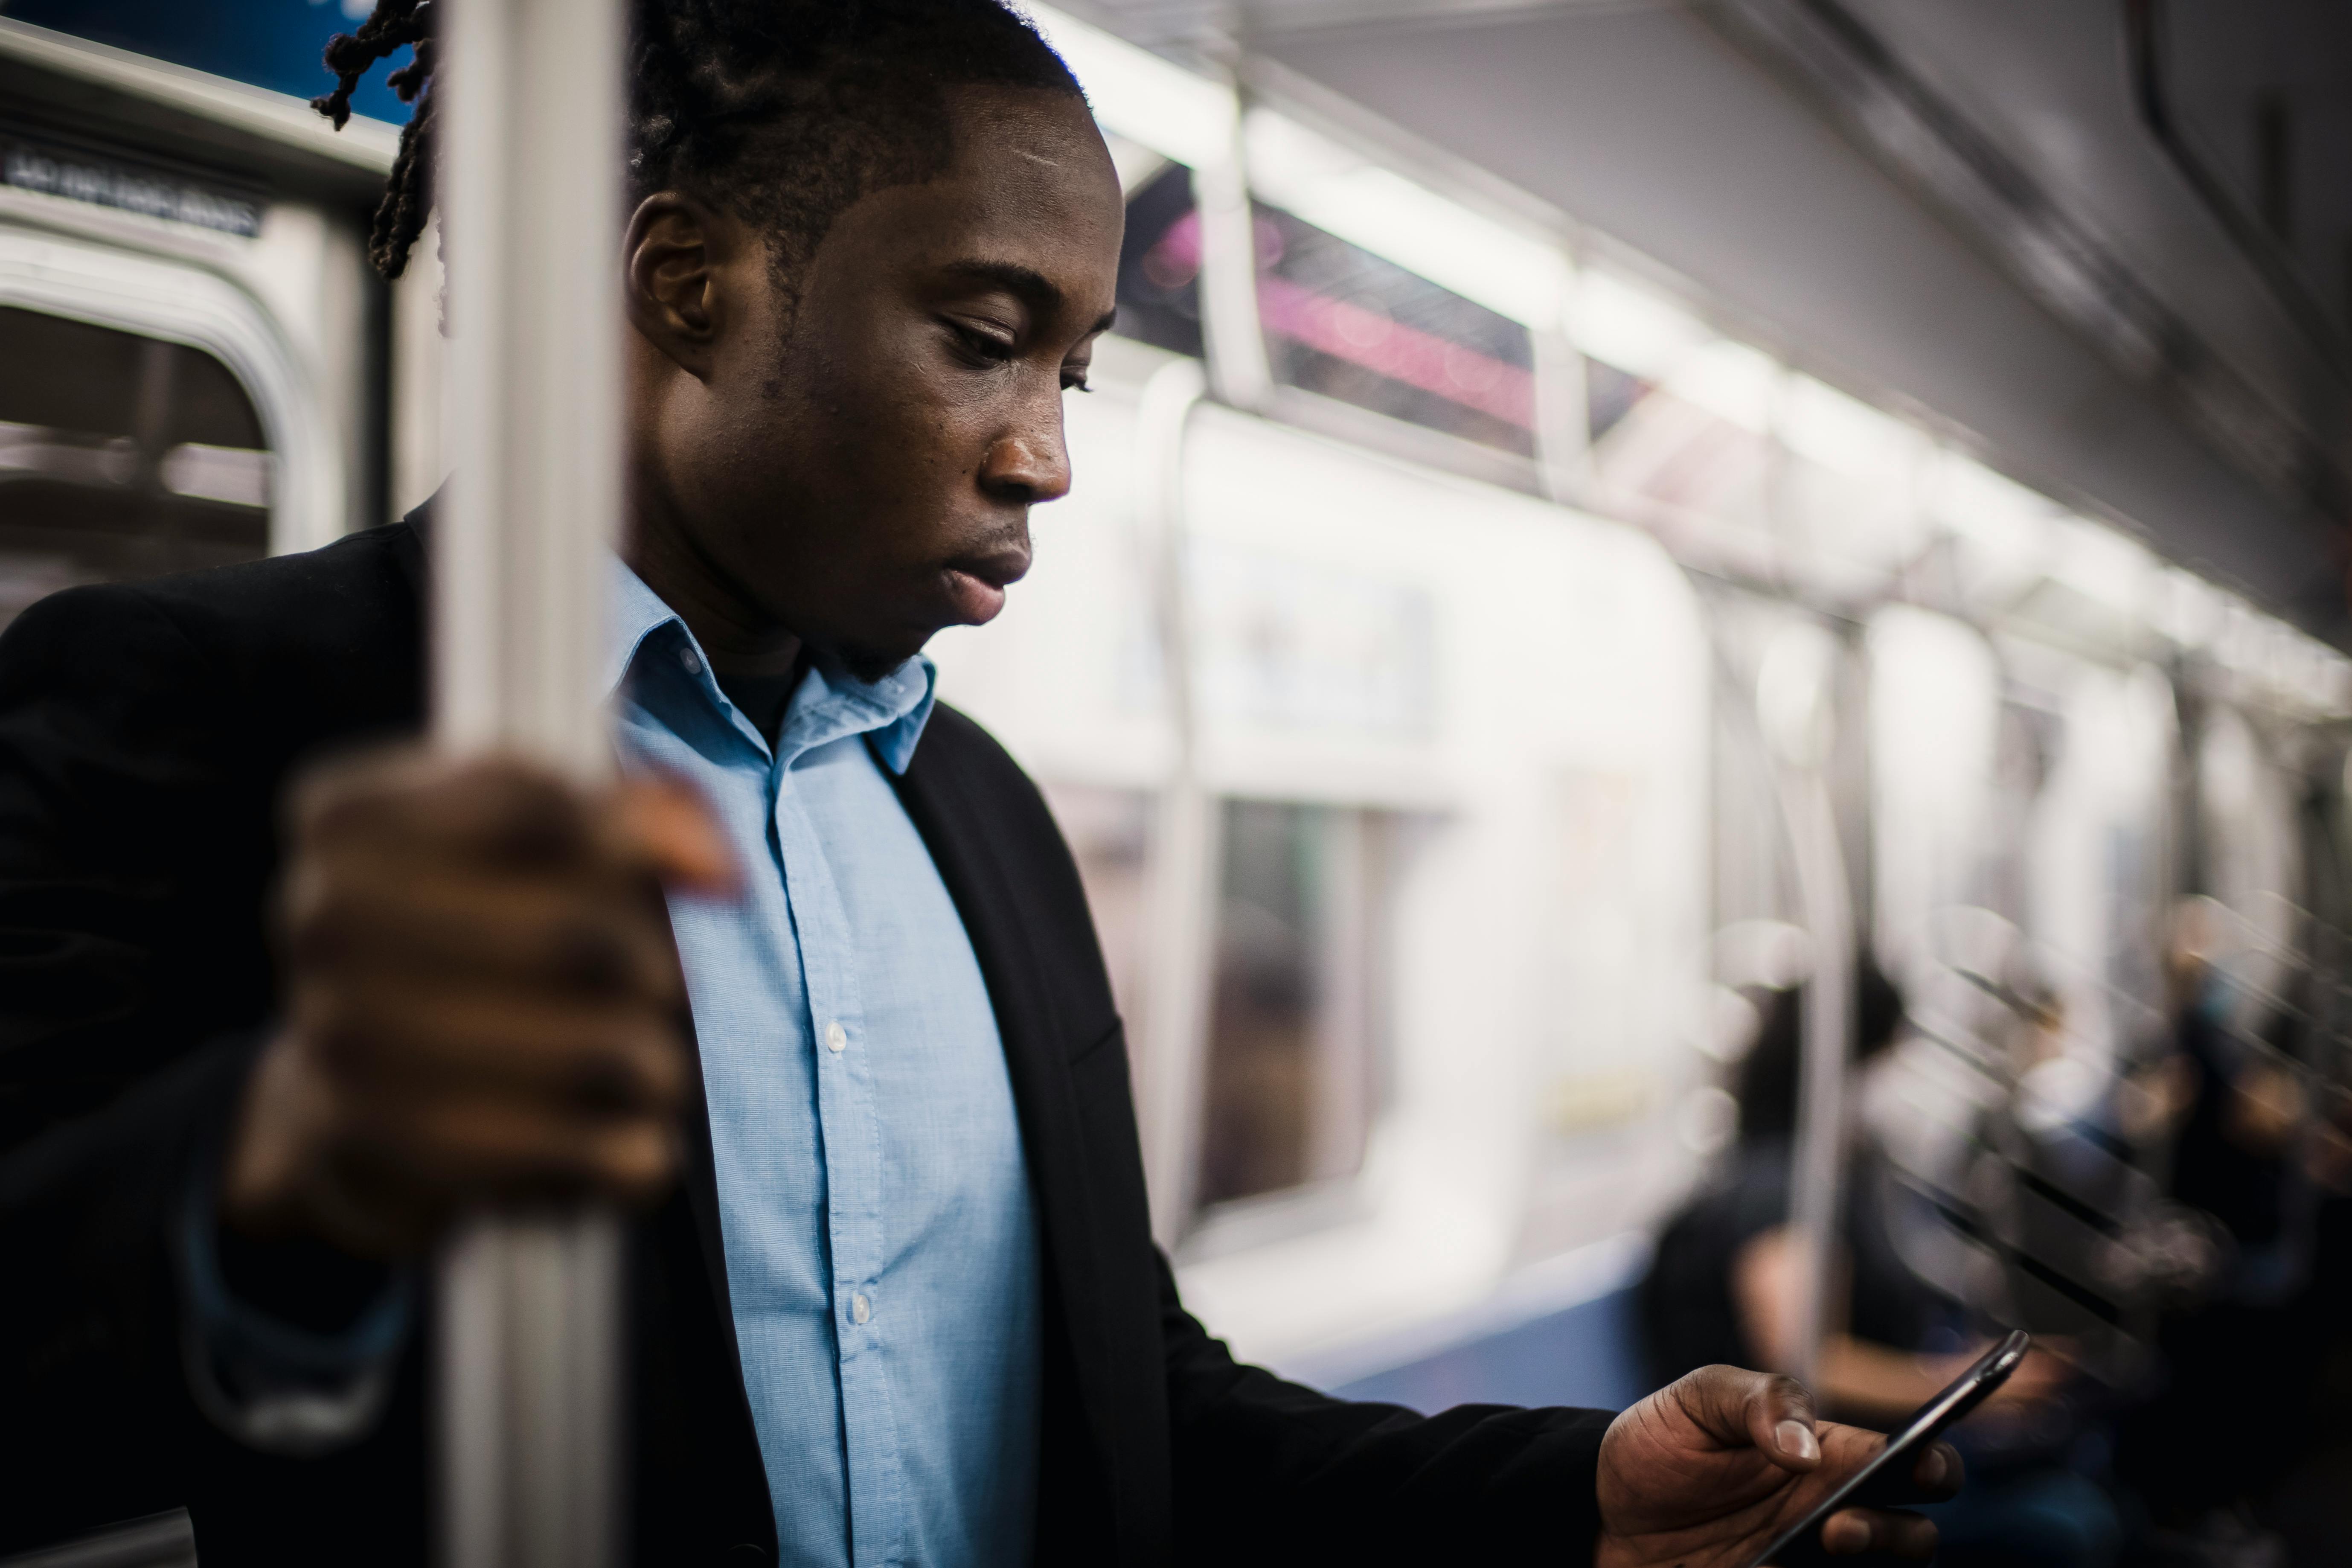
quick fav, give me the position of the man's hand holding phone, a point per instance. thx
(1711, 1471)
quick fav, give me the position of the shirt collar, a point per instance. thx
(831, 702)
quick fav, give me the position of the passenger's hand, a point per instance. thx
(2040, 1378)
(1707, 1471)
(481, 1001)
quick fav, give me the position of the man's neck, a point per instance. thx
(735, 633)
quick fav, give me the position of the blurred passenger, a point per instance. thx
(2242, 1109)
(1722, 1285)
(2263, 1352)
(858, 1075)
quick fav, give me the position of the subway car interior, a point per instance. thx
(1593, 514)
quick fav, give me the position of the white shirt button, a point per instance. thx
(837, 1040)
(860, 1308)
(691, 659)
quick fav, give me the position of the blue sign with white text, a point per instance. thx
(274, 44)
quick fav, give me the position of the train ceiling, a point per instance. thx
(1906, 192)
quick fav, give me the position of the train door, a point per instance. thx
(190, 363)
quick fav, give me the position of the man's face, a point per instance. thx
(857, 465)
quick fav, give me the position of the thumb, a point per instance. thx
(1770, 1413)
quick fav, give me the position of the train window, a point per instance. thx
(1160, 264)
(121, 456)
(1290, 644)
(1290, 1068)
(1349, 325)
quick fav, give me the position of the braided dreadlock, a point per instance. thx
(394, 25)
(784, 111)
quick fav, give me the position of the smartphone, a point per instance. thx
(1928, 1423)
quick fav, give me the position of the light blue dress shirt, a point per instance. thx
(881, 1245)
(882, 1256)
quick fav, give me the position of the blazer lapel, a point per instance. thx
(700, 1180)
(966, 846)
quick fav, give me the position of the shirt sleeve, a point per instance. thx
(277, 1385)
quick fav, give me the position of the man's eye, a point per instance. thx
(980, 345)
(1075, 381)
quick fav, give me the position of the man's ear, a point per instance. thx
(672, 278)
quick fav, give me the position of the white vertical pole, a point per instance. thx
(1817, 1163)
(1563, 402)
(1185, 828)
(1230, 329)
(529, 1380)
(1796, 711)
(532, 172)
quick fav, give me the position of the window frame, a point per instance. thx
(179, 302)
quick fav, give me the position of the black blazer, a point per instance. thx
(146, 736)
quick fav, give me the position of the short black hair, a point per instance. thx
(784, 111)
(1769, 1075)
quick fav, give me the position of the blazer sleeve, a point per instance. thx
(1269, 1471)
(121, 1054)
(125, 852)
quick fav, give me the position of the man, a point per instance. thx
(816, 991)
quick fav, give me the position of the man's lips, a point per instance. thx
(976, 583)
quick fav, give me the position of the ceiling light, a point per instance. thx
(1631, 327)
(1138, 95)
(1847, 436)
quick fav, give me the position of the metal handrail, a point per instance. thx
(530, 1340)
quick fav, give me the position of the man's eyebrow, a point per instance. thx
(1026, 284)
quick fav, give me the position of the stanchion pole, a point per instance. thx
(528, 1380)
(1796, 711)
(1825, 1022)
(1185, 828)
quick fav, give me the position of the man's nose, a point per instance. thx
(1028, 465)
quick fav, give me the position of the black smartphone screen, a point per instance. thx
(1928, 1423)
